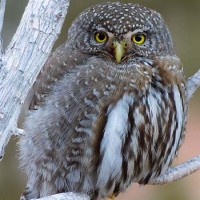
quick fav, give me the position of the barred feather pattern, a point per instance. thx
(126, 129)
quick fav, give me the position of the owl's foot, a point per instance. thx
(111, 196)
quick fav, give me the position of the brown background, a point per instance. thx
(183, 18)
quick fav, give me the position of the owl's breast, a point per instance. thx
(114, 127)
(140, 137)
(138, 127)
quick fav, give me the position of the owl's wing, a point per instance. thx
(61, 61)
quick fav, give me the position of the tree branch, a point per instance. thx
(2, 13)
(26, 54)
(192, 84)
(65, 196)
(177, 173)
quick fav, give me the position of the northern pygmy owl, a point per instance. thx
(111, 106)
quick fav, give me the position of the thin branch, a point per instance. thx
(2, 13)
(66, 196)
(26, 54)
(178, 172)
(192, 84)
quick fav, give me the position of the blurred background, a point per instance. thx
(183, 19)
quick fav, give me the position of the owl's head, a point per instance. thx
(121, 32)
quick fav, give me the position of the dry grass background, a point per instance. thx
(182, 16)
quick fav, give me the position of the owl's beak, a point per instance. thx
(119, 50)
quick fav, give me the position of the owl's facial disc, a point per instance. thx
(119, 47)
(143, 29)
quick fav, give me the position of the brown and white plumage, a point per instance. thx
(109, 113)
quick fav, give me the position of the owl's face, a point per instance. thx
(121, 32)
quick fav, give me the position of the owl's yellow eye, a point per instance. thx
(139, 38)
(100, 37)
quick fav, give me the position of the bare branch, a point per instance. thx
(176, 173)
(2, 12)
(66, 196)
(192, 84)
(38, 30)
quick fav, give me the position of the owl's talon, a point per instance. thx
(111, 196)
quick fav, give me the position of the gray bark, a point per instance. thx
(2, 12)
(26, 54)
(66, 196)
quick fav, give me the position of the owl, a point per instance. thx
(109, 107)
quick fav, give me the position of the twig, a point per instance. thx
(2, 13)
(178, 172)
(192, 84)
(66, 196)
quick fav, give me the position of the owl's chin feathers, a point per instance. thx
(129, 58)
